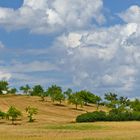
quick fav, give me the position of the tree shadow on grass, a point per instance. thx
(2, 122)
(15, 124)
(61, 105)
(78, 109)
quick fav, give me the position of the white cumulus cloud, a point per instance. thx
(5, 75)
(45, 16)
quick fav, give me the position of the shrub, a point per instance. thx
(111, 116)
(92, 117)
(2, 115)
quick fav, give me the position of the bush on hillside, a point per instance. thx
(111, 116)
(2, 115)
(91, 116)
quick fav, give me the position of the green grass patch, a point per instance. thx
(76, 126)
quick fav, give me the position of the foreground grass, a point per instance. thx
(55, 122)
(84, 131)
(75, 127)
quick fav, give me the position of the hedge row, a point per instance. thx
(103, 116)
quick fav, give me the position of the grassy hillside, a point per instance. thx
(48, 112)
(54, 122)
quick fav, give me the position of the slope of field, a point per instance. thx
(55, 122)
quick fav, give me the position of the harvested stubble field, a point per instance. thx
(55, 122)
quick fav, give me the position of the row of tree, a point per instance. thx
(13, 113)
(81, 98)
(120, 109)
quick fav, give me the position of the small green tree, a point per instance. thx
(43, 95)
(12, 91)
(55, 92)
(123, 104)
(2, 115)
(25, 89)
(135, 105)
(13, 113)
(97, 101)
(37, 90)
(75, 99)
(31, 111)
(67, 93)
(59, 97)
(87, 97)
(3, 86)
(112, 99)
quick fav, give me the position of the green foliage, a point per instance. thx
(86, 96)
(83, 97)
(43, 95)
(113, 115)
(67, 93)
(112, 99)
(91, 117)
(3, 86)
(74, 126)
(75, 99)
(59, 97)
(37, 90)
(12, 91)
(25, 89)
(13, 113)
(122, 104)
(135, 105)
(2, 115)
(55, 92)
(31, 111)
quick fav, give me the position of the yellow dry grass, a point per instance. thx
(55, 122)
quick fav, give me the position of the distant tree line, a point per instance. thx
(55, 93)
(119, 108)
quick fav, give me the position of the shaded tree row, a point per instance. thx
(79, 98)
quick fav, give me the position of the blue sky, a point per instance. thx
(91, 45)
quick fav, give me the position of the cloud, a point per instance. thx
(5, 75)
(101, 59)
(33, 72)
(97, 59)
(34, 66)
(45, 16)
(132, 14)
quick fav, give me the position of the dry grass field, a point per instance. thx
(55, 122)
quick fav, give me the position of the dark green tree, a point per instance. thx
(2, 115)
(135, 105)
(3, 86)
(75, 99)
(123, 104)
(55, 93)
(12, 91)
(112, 99)
(26, 89)
(67, 93)
(43, 95)
(13, 113)
(37, 90)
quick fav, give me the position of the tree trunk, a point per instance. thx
(12, 121)
(76, 106)
(97, 105)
